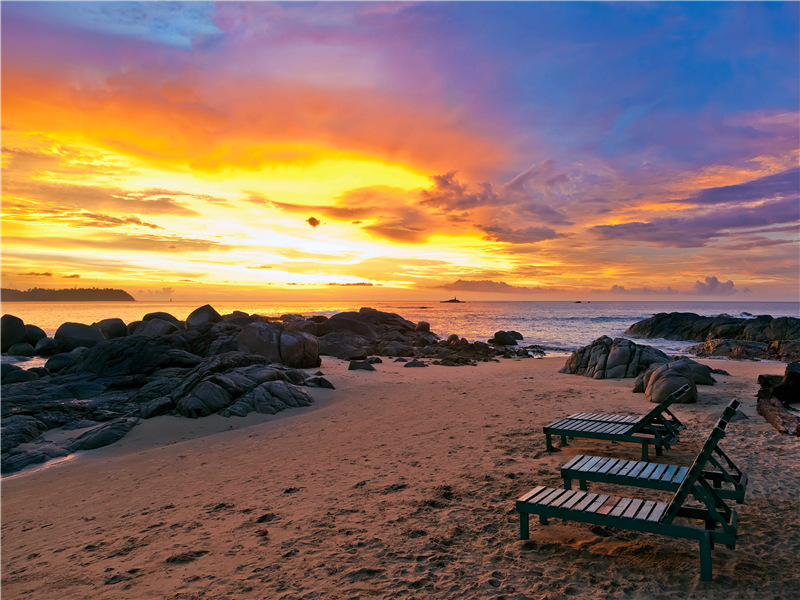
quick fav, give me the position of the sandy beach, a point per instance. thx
(399, 483)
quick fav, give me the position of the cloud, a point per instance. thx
(136, 243)
(484, 285)
(76, 276)
(647, 291)
(780, 185)
(714, 287)
(696, 230)
(38, 274)
(519, 236)
(314, 222)
(261, 267)
(357, 284)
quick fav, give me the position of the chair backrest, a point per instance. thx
(662, 406)
(688, 486)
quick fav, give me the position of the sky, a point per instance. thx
(403, 150)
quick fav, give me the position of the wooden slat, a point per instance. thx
(551, 496)
(680, 475)
(623, 504)
(633, 508)
(656, 474)
(575, 459)
(605, 468)
(637, 469)
(575, 499)
(585, 502)
(608, 505)
(645, 474)
(597, 503)
(544, 491)
(670, 473)
(530, 494)
(563, 498)
(645, 510)
(593, 460)
(618, 467)
(655, 515)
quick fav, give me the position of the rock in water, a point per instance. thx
(201, 316)
(12, 331)
(112, 328)
(77, 335)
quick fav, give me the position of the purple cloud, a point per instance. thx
(527, 235)
(779, 185)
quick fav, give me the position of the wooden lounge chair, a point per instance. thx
(718, 523)
(658, 428)
(726, 477)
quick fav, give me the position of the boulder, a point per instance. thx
(76, 335)
(12, 331)
(786, 388)
(415, 363)
(690, 326)
(360, 365)
(18, 429)
(164, 316)
(203, 315)
(345, 345)
(661, 380)
(605, 358)
(33, 334)
(20, 376)
(341, 322)
(291, 348)
(57, 362)
(22, 349)
(423, 327)
(103, 435)
(112, 328)
(503, 338)
(49, 347)
(137, 354)
(155, 327)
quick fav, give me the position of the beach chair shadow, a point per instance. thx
(729, 481)
(658, 428)
(710, 521)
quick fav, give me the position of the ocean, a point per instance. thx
(558, 327)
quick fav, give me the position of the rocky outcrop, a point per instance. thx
(505, 338)
(612, 359)
(659, 381)
(759, 337)
(291, 348)
(786, 388)
(202, 316)
(112, 328)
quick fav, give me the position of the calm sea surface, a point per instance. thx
(560, 327)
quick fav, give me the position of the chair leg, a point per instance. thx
(705, 558)
(644, 451)
(548, 443)
(524, 533)
(567, 483)
(563, 440)
(583, 485)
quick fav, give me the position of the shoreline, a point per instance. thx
(400, 483)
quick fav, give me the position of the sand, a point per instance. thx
(398, 484)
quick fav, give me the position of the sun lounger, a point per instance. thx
(659, 427)
(709, 523)
(728, 480)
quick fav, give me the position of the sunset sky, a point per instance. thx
(402, 150)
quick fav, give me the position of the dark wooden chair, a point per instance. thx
(658, 428)
(729, 481)
(710, 520)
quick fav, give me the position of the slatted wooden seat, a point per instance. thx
(711, 522)
(729, 481)
(658, 428)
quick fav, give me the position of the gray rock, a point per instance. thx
(112, 328)
(690, 326)
(155, 327)
(319, 382)
(12, 331)
(292, 348)
(156, 407)
(22, 349)
(423, 327)
(345, 345)
(103, 435)
(206, 398)
(29, 454)
(360, 365)
(20, 376)
(605, 358)
(203, 315)
(18, 429)
(163, 316)
(49, 347)
(33, 334)
(415, 363)
(57, 362)
(75, 335)
(503, 338)
(662, 380)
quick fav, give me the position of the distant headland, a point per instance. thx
(66, 295)
(454, 300)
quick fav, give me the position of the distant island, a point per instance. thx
(453, 301)
(66, 295)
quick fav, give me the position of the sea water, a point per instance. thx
(558, 327)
